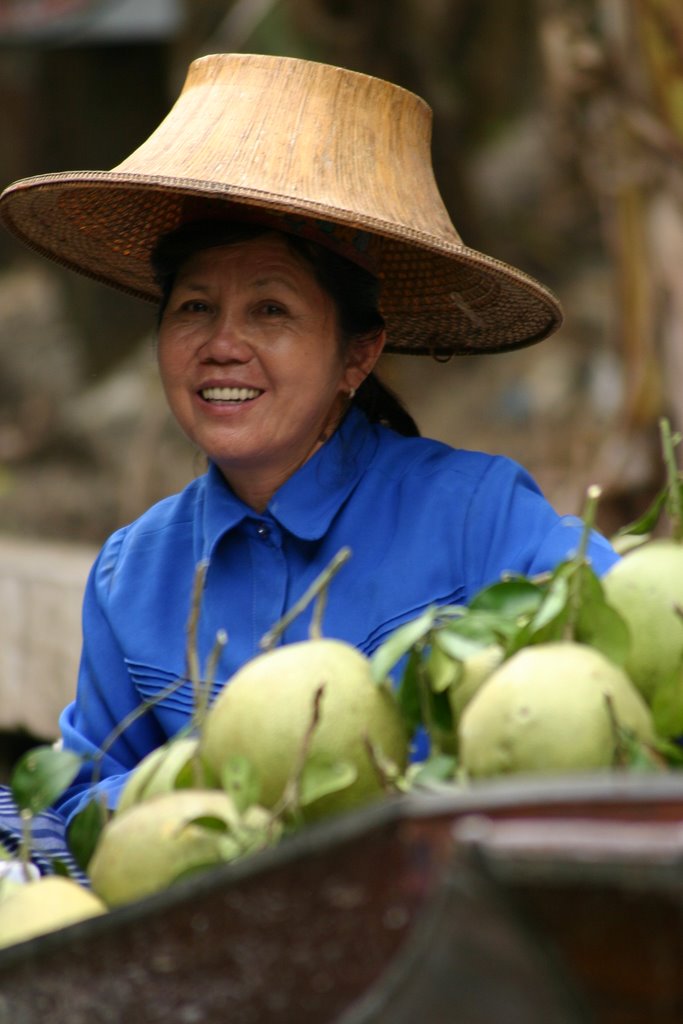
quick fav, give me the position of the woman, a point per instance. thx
(288, 246)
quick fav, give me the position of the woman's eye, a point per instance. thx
(271, 309)
(194, 306)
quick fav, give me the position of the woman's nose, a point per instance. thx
(226, 342)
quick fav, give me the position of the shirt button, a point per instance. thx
(262, 530)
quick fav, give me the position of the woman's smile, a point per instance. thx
(229, 395)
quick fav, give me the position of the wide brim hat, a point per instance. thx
(334, 155)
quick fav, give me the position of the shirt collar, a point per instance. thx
(306, 503)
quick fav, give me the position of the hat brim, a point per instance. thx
(438, 297)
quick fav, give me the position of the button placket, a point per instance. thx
(269, 575)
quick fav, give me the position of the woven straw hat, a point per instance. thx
(337, 156)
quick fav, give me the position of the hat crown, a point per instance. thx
(322, 135)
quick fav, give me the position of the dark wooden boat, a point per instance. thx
(517, 902)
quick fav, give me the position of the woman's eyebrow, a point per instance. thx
(264, 280)
(275, 278)
(193, 286)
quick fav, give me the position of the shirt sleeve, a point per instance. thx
(106, 698)
(510, 527)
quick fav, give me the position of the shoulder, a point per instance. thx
(163, 524)
(422, 458)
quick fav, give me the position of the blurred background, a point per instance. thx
(558, 147)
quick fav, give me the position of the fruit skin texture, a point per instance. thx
(544, 710)
(146, 848)
(644, 587)
(265, 710)
(45, 905)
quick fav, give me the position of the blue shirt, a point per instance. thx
(426, 524)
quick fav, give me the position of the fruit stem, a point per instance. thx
(673, 498)
(315, 630)
(316, 592)
(291, 796)
(201, 686)
(192, 653)
(590, 511)
(204, 687)
(386, 771)
(132, 716)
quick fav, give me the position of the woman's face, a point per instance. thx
(251, 363)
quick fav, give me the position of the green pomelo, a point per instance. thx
(266, 709)
(476, 669)
(150, 845)
(171, 766)
(646, 588)
(45, 905)
(545, 710)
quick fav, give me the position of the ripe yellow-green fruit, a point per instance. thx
(171, 766)
(646, 588)
(45, 905)
(150, 845)
(265, 711)
(545, 710)
(476, 669)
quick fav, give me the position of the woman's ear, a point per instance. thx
(362, 355)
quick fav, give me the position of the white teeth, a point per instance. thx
(229, 394)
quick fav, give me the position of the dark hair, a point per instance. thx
(354, 291)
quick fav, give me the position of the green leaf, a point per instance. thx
(85, 829)
(441, 713)
(408, 696)
(597, 622)
(41, 775)
(553, 605)
(602, 627)
(400, 642)
(438, 768)
(670, 751)
(647, 522)
(510, 598)
(323, 775)
(550, 619)
(442, 671)
(629, 542)
(456, 646)
(60, 868)
(240, 780)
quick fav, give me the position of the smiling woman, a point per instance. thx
(252, 363)
(285, 257)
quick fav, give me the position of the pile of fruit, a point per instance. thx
(561, 674)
